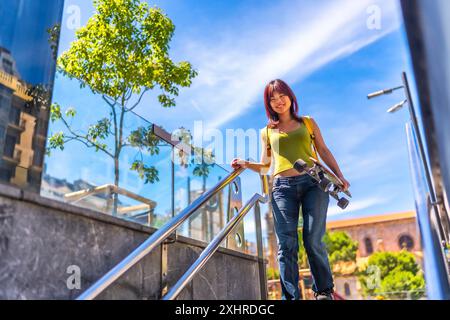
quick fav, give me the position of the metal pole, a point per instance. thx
(260, 251)
(189, 202)
(173, 183)
(422, 155)
(415, 123)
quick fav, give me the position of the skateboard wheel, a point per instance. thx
(325, 184)
(343, 203)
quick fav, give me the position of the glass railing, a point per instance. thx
(250, 229)
(212, 216)
(134, 173)
(145, 183)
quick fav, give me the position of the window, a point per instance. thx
(406, 242)
(14, 116)
(10, 145)
(369, 246)
(5, 98)
(5, 174)
(8, 66)
(347, 289)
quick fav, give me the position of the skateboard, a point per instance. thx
(326, 180)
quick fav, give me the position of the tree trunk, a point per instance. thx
(116, 183)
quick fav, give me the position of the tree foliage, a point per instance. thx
(340, 246)
(393, 275)
(124, 50)
(121, 53)
(273, 274)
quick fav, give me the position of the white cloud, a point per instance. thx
(353, 206)
(232, 74)
(182, 172)
(181, 197)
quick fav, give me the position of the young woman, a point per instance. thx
(286, 139)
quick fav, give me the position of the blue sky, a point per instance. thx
(323, 49)
(20, 32)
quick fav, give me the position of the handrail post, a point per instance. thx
(260, 251)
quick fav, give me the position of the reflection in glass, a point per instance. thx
(26, 78)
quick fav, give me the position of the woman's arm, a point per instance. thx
(260, 167)
(326, 154)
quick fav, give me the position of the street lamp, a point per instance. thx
(397, 107)
(394, 108)
(382, 92)
(414, 121)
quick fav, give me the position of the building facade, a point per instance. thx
(388, 232)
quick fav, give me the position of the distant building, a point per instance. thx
(387, 232)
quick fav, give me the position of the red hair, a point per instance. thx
(282, 88)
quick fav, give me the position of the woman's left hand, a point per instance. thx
(345, 182)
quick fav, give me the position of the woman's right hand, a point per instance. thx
(237, 163)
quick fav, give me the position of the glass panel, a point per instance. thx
(212, 216)
(28, 42)
(136, 185)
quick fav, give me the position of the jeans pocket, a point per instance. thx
(278, 186)
(279, 190)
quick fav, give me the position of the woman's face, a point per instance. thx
(280, 102)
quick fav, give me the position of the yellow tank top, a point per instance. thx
(289, 147)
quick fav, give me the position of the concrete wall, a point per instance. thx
(40, 238)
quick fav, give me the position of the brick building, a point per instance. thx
(384, 232)
(387, 232)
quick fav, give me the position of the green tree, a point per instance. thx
(340, 246)
(121, 53)
(302, 258)
(392, 275)
(273, 274)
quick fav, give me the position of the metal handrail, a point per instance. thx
(215, 243)
(155, 239)
(110, 188)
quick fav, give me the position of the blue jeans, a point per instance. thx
(287, 195)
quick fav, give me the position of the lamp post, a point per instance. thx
(413, 116)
